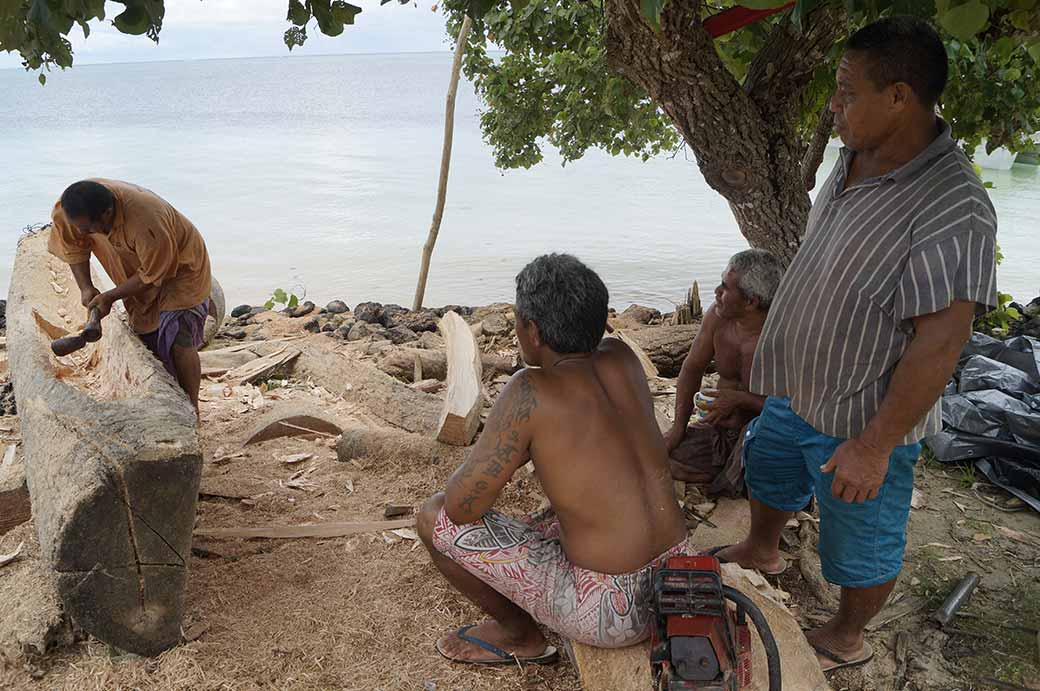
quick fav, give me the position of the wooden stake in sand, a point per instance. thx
(287, 532)
(460, 415)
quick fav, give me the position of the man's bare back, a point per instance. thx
(601, 460)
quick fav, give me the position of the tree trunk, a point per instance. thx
(112, 462)
(442, 185)
(743, 136)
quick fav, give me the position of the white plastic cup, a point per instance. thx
(700, 399)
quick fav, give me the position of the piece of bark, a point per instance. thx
(388, 445)
(15, 507)
(261, 368)
(112, 463)
(373, 391)
(31, 618)
(666, 346)
(460, 414)
(399, 363)
(289, 532)
(396, 510)
(293, 419)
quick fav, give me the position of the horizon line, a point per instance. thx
(244, 57)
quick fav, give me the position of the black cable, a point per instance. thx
(768, 642)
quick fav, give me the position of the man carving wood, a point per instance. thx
(709, 452)
(584, 415)
(156, 258)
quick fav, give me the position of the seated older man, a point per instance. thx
(583, 414)
(708, 452)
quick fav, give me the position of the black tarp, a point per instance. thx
(991, 414)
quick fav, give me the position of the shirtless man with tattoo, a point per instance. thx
(708, 452)
(583, 414)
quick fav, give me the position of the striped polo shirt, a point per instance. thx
(875, 255)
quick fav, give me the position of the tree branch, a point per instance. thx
(817, 145)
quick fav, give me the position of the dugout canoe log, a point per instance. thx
(112, 461)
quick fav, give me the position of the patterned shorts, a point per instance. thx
(523, 560)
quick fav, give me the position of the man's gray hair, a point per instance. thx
(760, 273)
(566, 299)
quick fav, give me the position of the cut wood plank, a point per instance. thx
(649, 368)
(112, 462)
(261, 367)
(460, 415)
(288, 532)
(15, 507)
(294, 419)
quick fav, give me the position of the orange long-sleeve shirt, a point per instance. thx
(150, 239)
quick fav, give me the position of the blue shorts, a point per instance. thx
(860, 544)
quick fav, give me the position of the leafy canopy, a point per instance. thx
(553, 85)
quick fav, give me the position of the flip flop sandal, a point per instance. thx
(501, 656)
(714, 552)
(865, 656)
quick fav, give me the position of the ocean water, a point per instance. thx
(319, 175)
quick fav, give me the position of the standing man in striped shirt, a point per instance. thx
(867, 327)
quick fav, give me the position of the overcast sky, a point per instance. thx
(194, 29)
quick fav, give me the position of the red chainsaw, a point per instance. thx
(698, 642)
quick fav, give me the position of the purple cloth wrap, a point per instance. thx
(160, 341)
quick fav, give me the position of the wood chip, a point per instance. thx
(194, 632)
(397, 510)
(917, 500)
(6, 559)
(350, 485)
(957, 558)
(297, 458)
(936, 544)
(406, 533)
(981, 537)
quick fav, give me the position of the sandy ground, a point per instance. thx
(363, 612)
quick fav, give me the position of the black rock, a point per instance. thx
(337, 307)
(258, 310)
(344, 329)
(1033, 308)
(313, 325)
(371, 312)
(3, 318)
(418, 322)
(390, 313)
(328, 327)
(237, 334)
(241, 310)
(301, 310)
(401, 334)
(460, 310)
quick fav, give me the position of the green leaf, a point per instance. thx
(1034, 50)
(43, 79)
(298, 14)
(344, 12)
(1013, 74)
(1013, 313)
(293, 301)
(269, 304)
(296, 36)
(280, 296)
(518, 5)
(1022, 4)
(134, 21)
(965, 21)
